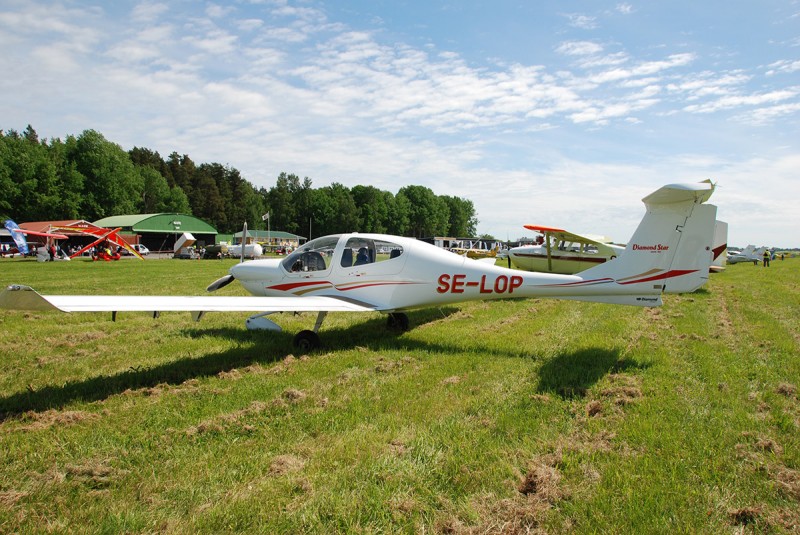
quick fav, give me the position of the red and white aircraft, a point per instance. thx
(669, 252)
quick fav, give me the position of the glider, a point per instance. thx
(669, 252)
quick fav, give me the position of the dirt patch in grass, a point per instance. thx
(224, 421)
(455, 379)
(788, 481)
(233, 374)
(624, 389)
(786, 389)
(403, 506)
(36, 421)
(387, 366)
(292, 395)
(542, 481)
(594, 408)
(94, 474)
(398, 448)
(283, 464)
(286, 365)
(744, 516)
(9, 498)
(788, 519)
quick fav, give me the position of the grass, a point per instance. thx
(508, 416)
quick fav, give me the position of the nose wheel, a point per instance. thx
(397, 321)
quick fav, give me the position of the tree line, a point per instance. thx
(88, 177)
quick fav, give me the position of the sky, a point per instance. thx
(556, 113)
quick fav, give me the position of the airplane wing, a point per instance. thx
(18, 297)
(42, 234)
(565, 235)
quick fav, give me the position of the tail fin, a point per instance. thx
(671, 249)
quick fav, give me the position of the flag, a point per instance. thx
(265, 217)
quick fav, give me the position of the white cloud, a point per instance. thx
(579, 48)
(583, 22)
(738, 101)
(783, 66)
(148, 11)
(625, 9)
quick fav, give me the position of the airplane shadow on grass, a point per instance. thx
(571, 374)
(255, 347)
(568, 374)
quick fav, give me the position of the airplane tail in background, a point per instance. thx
(671, 248)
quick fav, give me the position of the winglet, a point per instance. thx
(20, 297)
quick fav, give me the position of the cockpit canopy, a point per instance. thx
(319, 254)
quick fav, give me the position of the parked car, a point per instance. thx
(142, 250)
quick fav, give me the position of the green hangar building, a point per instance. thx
(159, 232)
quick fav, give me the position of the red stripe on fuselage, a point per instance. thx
(289, 286)
(662, 276)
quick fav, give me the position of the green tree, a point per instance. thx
(242, 201)
(155, 191)
(373, 209)
(181, 170)
(428, 214)
(71, 181)
(334, 210)
(32, 188)
(8, 186)
(113, 185)
(462, 220)
(301, 200)
(279, 202)
(205, 199)
(143, 157)
(399, 210)
(177, 202)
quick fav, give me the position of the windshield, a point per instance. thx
(313, 256)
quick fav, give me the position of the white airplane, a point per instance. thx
(720, 247)
(669, 252)
(559, 251)
(748, 254)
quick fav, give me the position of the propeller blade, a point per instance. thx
(220, 283)
(244, 241)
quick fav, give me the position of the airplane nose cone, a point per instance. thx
(265, 270)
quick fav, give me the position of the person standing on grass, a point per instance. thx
(766, 257)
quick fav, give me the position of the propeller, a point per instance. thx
(220, 283)
(227, 279)
(244, 241)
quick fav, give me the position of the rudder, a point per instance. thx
(671, 247)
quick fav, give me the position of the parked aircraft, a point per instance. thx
(103, 235)
(748, 254)
(560, 251)
(720, 247)
(669, 252)
(19, 237)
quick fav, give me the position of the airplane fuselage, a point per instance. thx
(420, 275)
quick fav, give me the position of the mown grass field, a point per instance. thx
(502, 417)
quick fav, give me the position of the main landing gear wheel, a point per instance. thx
(397, 321)
(306, 341)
